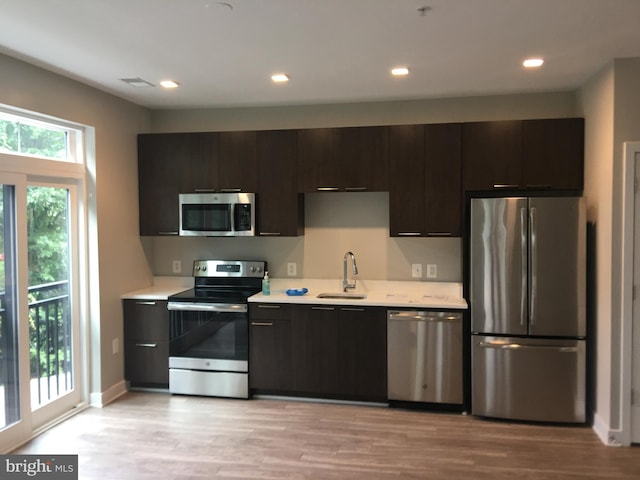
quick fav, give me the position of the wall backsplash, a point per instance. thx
(334, 224)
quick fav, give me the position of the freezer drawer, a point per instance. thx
(528, 379)
(424, 356)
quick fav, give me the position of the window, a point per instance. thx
(23, 135)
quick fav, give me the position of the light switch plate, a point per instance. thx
(432, 270)
(416, 270)
(292, 269)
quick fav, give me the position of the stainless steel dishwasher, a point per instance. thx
(424, 356)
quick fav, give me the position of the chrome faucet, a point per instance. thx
(345, 279)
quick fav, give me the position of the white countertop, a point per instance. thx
(418, 294)
(161, 289)
(442, 295)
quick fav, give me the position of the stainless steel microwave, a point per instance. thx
(217, 214)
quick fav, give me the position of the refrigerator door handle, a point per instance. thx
(519, 346)
(533, 269)
(523, 266)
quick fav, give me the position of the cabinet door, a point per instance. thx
(270, 347)
(553, 153)
(362, 353)
(170, 164)
(238, 161)
(314, 349)
(406, 180)
(363, 159)
(443, 179)
(280, 206)
(318, 151)
(492, 155)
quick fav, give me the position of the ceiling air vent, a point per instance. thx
(137, 82)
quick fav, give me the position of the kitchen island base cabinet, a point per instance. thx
(146, 339)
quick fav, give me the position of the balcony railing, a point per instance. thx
(50, 338)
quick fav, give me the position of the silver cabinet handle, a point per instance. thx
(505, 185)
(352, 309)
(269, 234)
(205, 190)
(167, 233)
(439, 234)
(147, 345)
(322, 308)
(327, 189)
(262, 324)
(355, 189)
(274, 307)
(231, 189)
(145, 303)
(409, 234)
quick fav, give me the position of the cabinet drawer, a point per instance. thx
(269, 311)
(147, 363)
(146, 320)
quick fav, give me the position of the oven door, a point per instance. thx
(208, 349)
(208, 336)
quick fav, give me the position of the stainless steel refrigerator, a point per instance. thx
(527, 287)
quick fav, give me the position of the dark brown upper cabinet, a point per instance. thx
(343, 159)
(237, 161)
(170, 164)
(406, 180)
(553, 153)
(443, 179)
(529, 155)
(492, 156)
(425, 178)
(280, 208)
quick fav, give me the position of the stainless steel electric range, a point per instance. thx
(209, 329)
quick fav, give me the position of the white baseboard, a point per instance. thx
(100, 399)
(608, 436)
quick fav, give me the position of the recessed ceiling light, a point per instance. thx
(280, 77)
(533, 62)
(399, 71)
(169, 84)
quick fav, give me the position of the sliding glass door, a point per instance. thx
(39, 327)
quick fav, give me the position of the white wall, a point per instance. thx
(611, 105)
(121, 264)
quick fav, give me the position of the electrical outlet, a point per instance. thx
(432, 270)
(292, 269)
(115, 345)
(416, 270)
(177, 266)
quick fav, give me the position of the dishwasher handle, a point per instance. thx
(423, 315)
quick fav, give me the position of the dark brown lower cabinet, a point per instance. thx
(270, 348)
(362, 353)
(325, 351)
(146, 343)
(314, 348)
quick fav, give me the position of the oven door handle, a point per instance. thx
(206, 307)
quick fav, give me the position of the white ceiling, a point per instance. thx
(223, 54)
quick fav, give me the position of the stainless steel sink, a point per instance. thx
(343, 295)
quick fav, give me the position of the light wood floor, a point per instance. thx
(162, 437)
